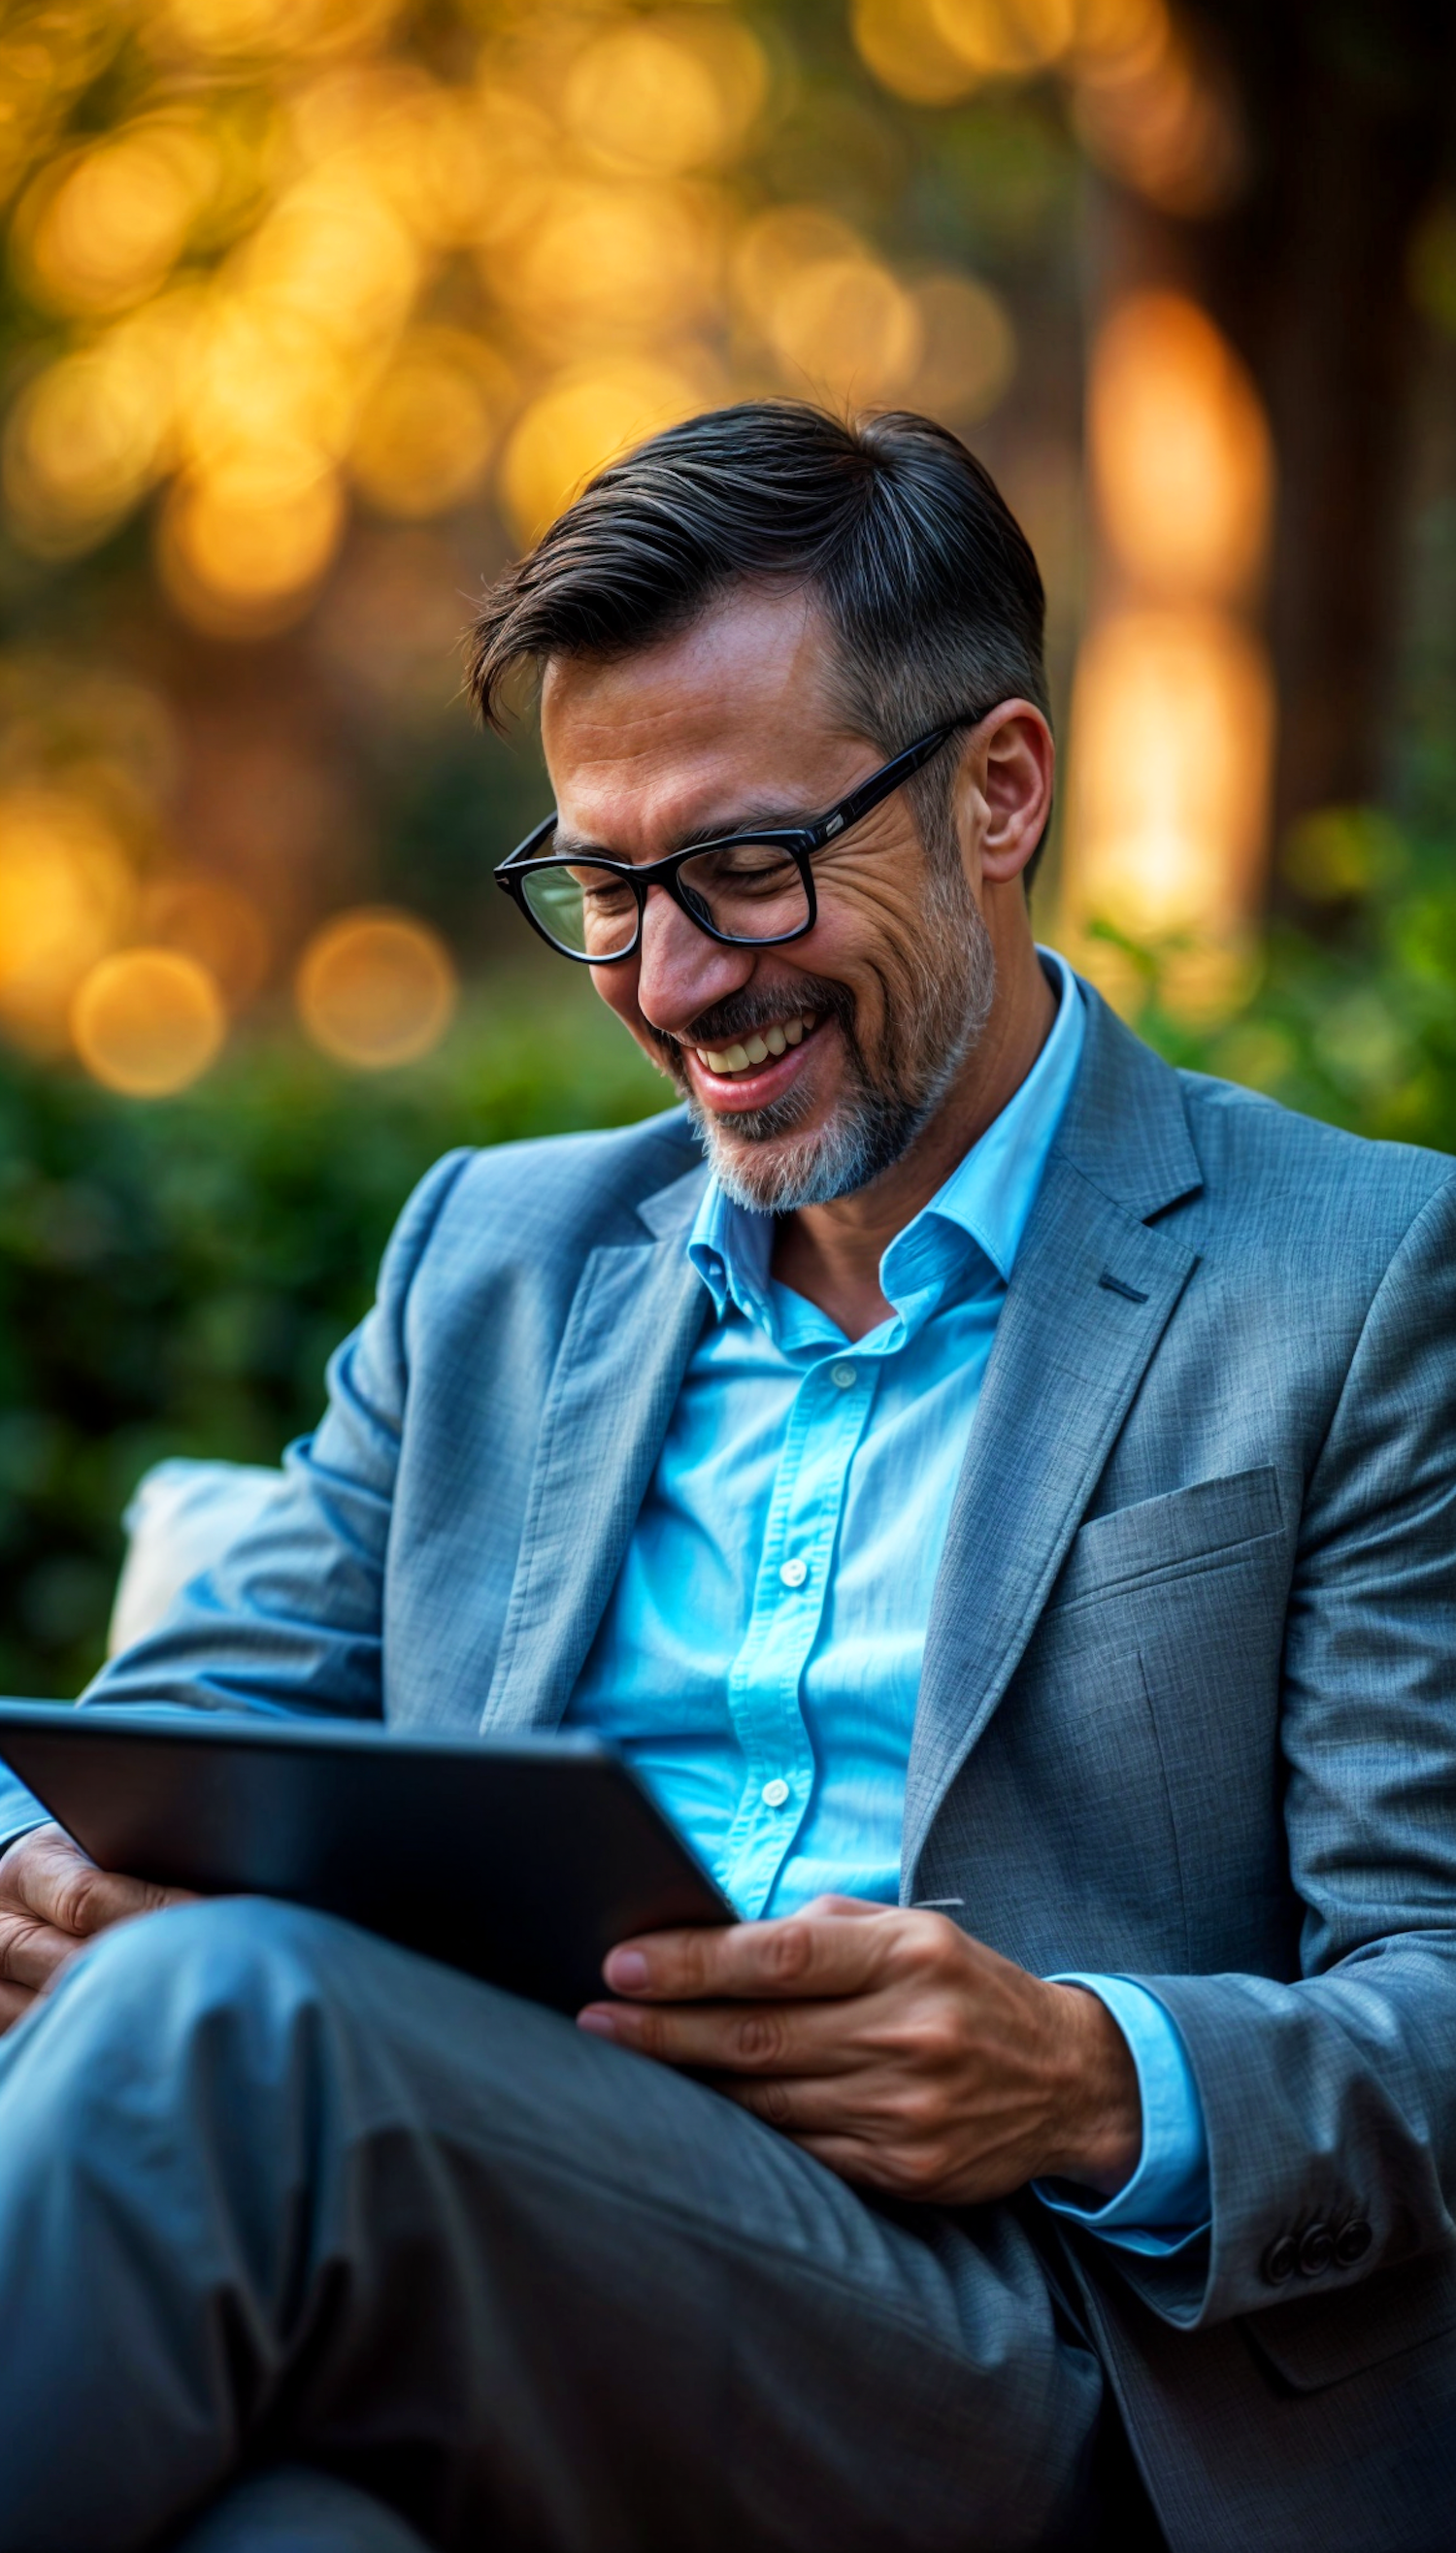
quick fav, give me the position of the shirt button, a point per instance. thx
(794, 1572)
(846, 1375)
(774, 1794)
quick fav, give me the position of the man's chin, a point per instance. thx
(771, 1167)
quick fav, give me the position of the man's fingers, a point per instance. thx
(14, 2001)
(52, 1878)
(793, 1956)
(731, 2038)
(31, 1951)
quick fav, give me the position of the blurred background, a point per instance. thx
(315, 310)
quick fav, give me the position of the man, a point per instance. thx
(1002, 1498)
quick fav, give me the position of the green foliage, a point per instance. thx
(1355, 1024)
(174, 1274)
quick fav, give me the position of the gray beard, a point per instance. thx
(883, 1111)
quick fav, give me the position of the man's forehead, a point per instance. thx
(743, 650)
(726, 720)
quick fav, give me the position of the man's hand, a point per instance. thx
(52, 1901)
(901, 2053)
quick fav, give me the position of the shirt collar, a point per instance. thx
(988, 1199)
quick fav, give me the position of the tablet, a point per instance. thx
(519, 1859)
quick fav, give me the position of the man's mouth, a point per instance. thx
(764, 1045)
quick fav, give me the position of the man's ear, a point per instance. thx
(1005, 798)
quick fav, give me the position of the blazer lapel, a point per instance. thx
(633, 1324)
(1090, 1295)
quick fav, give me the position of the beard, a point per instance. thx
(937, 1000)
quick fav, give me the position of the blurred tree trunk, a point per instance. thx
(1348, 113)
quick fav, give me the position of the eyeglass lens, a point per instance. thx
(741, 891)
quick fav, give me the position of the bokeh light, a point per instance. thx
(376, 988)
(968, 349)
(901, 44)
(67, 896)
(148, 1022)
(666, 96)
(243, 549)
(842, 326)
(1172, 728)
(1150, 113)
(1006, 39)
(224, 28)
(214, 922)
(580, 422)
(1179, 449)
(428, 430)
(105, 226)
(613, 262)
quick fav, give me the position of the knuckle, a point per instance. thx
(939, 2042)
(647, 2030)
(80, 1899)
(759, 2039)
(790, 1949)
(923, 2113)
(774, 2104)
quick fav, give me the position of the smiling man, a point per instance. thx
(1000, 1492)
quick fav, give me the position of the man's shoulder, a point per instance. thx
(551, 1196)
(1293, 1175)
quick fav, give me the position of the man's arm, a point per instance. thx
(289, 1621)
(1330, 2104)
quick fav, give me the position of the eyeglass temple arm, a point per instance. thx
(902, 768)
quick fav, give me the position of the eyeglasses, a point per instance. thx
(749, 890)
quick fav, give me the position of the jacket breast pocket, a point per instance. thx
(1210, 1525)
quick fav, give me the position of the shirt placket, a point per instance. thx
(826, 1422)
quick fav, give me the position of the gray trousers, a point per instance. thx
(276, 2194)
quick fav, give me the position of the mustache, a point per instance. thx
(728, 1021)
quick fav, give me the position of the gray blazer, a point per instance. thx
(1188, 1703)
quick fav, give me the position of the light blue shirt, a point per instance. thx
(759, 1659)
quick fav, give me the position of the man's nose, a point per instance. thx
(681, 972)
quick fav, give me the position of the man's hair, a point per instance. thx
(925, 577)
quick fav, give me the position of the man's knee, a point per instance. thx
(294, 2509)
(234, 1951)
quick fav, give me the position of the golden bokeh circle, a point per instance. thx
(579, 424)
(148, 1022)
(376, 988)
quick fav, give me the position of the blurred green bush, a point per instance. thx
(173, 1273)
(1351, 1017)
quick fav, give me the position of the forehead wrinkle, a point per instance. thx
(759, 815)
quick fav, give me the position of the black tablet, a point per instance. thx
(522, 1860)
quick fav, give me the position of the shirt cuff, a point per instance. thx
(1166, 2203)
(20, 1811)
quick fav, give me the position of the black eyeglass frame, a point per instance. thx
(801, 841)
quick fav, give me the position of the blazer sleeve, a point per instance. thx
(291, 1620)
(1330, 2103)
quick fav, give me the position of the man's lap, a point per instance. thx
(346, 2203)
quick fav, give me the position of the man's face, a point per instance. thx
(809, 1067)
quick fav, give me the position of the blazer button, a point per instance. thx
(1281, 2261)
(1316, 2252)
(1352, 2241)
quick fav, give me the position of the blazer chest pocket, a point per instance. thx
(1209, 1525)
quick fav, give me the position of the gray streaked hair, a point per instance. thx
(924, 575)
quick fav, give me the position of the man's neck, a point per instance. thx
(832, 1253)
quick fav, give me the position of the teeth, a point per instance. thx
(756, 1049)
